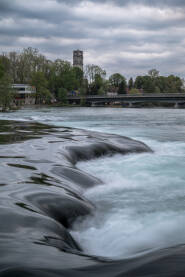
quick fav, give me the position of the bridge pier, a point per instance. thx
(130, 105)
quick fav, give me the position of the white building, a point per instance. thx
(24, 94)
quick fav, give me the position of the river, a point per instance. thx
(140, 204)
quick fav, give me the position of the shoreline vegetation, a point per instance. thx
(55, 80)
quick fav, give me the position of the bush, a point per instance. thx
(134, 91)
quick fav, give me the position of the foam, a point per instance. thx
(140, 206)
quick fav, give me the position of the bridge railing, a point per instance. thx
(157, 95)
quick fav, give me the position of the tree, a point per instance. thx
(97, 84)
(174, 84)
(5, 65)
(146, 83)
(106, 86)
(170, 84)
(153, 73)
(62, 95)
(130, 83)
(65, 75)
(92, 70)
(157, 90)
(84, 88)
(101, 91)
(38, 80)
(13, 66)
(25, 65)
(161, 83)
(122, 87)
(43, 95)
(52, 78)
(20, 66)
(6, 93)
(77, 77)
(116, 79)
(1, 70)
(138, 82)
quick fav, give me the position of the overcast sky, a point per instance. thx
(126, 36)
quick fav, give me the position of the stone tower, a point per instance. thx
(78, 59)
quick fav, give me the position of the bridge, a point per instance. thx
(129, 99)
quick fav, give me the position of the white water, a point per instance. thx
(141, 205)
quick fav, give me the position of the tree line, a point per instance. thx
(55, 79)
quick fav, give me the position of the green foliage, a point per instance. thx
(5, 65)
(91, 70)
(20, 66)
(98, 80)
(83, 92)
(84, 89)
(101, 91)
(146, 83)
(1, 70)
(138, 82)
(106, 85)
(77, 77)
(116, 79)
(122, 87)
(153, 73)
(159, 84)
(134, 91)
(63, 75)
(52, 80)
(59, 77)
(43, 95)
(97, 84)
(6, 93)
(118, 82)
(157, 90)
(62, 95)
(174, 84)
(38, 80)
(130, 83)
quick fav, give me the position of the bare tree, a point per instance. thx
(92, 70)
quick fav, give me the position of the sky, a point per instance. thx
(125, 36)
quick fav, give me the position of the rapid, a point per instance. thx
(140, 199)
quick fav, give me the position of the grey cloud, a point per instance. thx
(168, 3)
(57, 32)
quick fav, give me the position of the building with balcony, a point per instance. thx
(24, 94)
